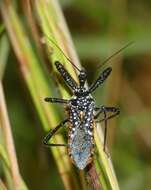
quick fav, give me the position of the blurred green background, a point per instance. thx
(98, 29)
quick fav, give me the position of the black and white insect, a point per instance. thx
(83, 115)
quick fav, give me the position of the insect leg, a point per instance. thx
(56, 100)
(105, 129)
(114, 110)
(52, 132)
(103, 76)
(66, 76)
(104, 110)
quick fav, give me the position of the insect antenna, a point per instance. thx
(63, 53)
(117, 52)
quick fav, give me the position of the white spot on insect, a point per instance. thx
(86, 124)
(76, 123)
(74, 114)
(89, 113)
(90, 133)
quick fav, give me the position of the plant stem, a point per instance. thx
(92, 177)
(2, 185)
(9, 142)
(53, 24)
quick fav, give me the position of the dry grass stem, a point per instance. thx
(9, 142)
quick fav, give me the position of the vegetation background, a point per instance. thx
(98, 29)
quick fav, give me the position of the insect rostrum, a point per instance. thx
(83, 115)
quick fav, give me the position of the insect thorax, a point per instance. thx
(81, 138)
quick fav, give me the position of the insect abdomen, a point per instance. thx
(81, 138)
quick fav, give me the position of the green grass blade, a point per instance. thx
(4, 51)
(9, 158)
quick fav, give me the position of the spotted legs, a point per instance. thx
(66, 76)
(52, 132)
(105, 110)
(103, 76)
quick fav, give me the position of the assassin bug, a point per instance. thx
(82, 114)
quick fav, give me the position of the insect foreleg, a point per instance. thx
(66, 76)
(56, 100)
(100, 79)
(52, 132)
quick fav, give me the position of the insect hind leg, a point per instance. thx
(52, 133)
(105, 110)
